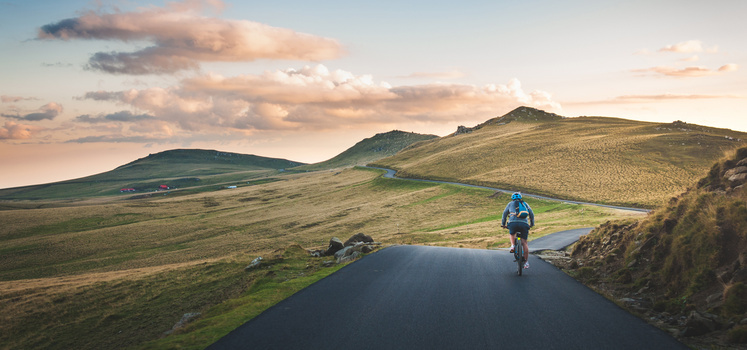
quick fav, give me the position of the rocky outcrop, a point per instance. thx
(353, 248)
(683, 268)
(357, 238)
(256, 263)
(461, 129)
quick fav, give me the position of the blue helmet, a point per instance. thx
(516, 196)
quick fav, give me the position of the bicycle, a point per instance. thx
(518, 254)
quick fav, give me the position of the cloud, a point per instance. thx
(117, 139)
(49, 111)
(182, 38)
(123, 116)
(14, 131)
(729, 67)
(454, 74)
(628, 99)
(13, 99)
(57, 65)
(689, 46)
(688, 72)
(314, 98)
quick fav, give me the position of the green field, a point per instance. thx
(79, 274)
(84, 266)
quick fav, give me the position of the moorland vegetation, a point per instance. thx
(593, 159)
(84, 266)
(684, 266)
(122, 273)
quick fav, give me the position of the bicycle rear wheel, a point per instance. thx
(519, 255)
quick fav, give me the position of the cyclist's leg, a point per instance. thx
(512, 233)
(523, 232)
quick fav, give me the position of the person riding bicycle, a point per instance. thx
(518, 223)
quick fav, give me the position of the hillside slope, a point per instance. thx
(371, 149)
(597, 159)
(685, 266)
(174, 168)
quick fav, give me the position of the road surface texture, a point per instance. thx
(417, 297)
(557, 240)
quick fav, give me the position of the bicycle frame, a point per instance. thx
(519, 255)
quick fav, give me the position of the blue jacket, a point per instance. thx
(510, 213)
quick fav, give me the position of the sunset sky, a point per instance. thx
(87, 86)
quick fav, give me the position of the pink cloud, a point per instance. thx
(182, 38)
(628, 99)
(48, 111)
(15, 131)
(13, 99)
(729, 67)
(454, 74)
(317, 98)
(688, 72)
(689, 46)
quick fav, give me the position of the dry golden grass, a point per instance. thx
(135, 259)
(604, 160)
(305, 209)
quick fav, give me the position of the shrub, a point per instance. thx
(735, 299)
(738, 335)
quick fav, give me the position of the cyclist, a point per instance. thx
(517, 225)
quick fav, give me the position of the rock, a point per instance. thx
(348, 258)
(358, 237)
(328, 263)
(335, 244)
(186, 318)
(632, 263)
(698, 324)
(461, 129)
(340, 253)
(254, 264)
(738, 177)
(734, 171)
(715, 300)
(740, 275)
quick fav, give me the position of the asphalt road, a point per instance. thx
(557, 240)
(417, 297)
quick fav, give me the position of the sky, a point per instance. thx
(86, 86)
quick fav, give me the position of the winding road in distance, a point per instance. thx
(391, 174)
(419, 297)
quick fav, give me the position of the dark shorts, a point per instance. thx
(519, 227)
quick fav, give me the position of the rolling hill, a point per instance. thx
(596, 159)
(174, 168)
(371, 149)
(686, 260)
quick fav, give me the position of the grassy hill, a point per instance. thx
(175, 168)
(687, 256)
(120, 274)
(598, 159)
(371, 149)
